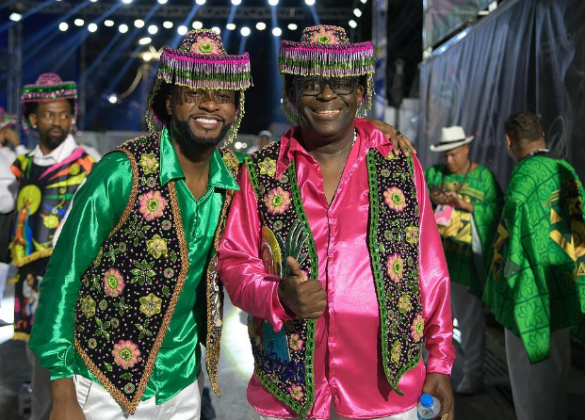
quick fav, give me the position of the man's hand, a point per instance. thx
(399, 140)
(8, 135)
(65, 405)
(306, 298)
(438, 198)
(454, 200)
(439, 386)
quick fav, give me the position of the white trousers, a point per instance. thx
(540, 390)
(98, 404)
(408, 415)
(468, 309)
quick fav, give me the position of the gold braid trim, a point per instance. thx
(133, 192)
(21, 262)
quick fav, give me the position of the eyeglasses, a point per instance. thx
(199, 96)
(313, 86)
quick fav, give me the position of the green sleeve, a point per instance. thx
(97, 207)
(487, 213)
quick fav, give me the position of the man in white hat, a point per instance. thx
(468, 202)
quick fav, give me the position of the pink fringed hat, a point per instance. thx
(325, 51)
(6, 120)
(48, 88)
(201, 62)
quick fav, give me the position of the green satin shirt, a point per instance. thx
(98, 206)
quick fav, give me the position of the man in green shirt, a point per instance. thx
(468, 203)
(123, 307)
(536, 283)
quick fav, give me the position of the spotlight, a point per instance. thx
(236, 2)
(145, 41)
(168, 24)
(277, 31)
(79, 22)
(113, 98)
(230, 26)
(63, 26)
(353, 23)
(216, 29)
(197, 25)
(245, 31)
(92, 27)
(200, 2)
(15, 17)
(152, 29)
(109, 23)
(139, 23)
(364, 1)
(162, 1)
(310, 2)
(260, 26)
(273, 2)
(123, 28)
(147, 56)
(238, 145)
(182, 30)
(293, 26)
(357, 12)
(93, 1)
(127, 1)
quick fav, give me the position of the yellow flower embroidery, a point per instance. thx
(267, 167)
(157, 246)
(51, 221)
(150, 305)
(149, 163)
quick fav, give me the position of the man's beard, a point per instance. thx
(191, 141)
(52, 142)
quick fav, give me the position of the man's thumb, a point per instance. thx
(295, 268)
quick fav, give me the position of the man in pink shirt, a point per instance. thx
(332, 248)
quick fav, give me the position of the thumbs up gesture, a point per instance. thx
(305, 297)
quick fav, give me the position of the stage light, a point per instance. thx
(168, 24)
(93, 1)
(147, 56)
(15, 17)
(357, 12)
(260, 26)
(216, 29)
(277, 31)
(197, 25)
(230, 26)
(200, 2)
(127, 1)
(113, 98)
(310, 2)
(238, 145)
(162, 1)
(273, 2)
(92, 27)
(152, 29)
(79, 22)
(182, 30)
(293, 26)
(123, 28)
(109, 23)
(364, 1)
(236, 2)
(353, 23)
(139, 23)
(145, 41)
(63, 26)
(245, 31)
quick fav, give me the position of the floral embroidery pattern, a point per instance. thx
(296, 343)
(157, 246)
(149, 163)
(277, 201)
(394, 197)
(267, 167)
(412, 235)
(152, 205)
(296, 392)
(417, 328)
(404, 304)
(396, 352)
(113, 283)
(150, 305)
(88, 306)
(51, 222)
(395, 267)
(126, 354)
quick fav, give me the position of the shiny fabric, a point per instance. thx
(97, 208)
(348, 364)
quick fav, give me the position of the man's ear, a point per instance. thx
(32, 118)
(508, 142)
(292, 95)
(360, 93)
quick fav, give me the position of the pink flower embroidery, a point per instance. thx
(206, 45)
(395, 266)
(394, 197)
(296, 343)
(113, 283)
(126, 354)
(152, 205)
(417, 328)
(296, 392)
(277, 201)
(324, 37)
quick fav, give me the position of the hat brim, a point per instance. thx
(450, 146)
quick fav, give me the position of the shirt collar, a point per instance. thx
(170, 168)
(57, 155)
(369, 137)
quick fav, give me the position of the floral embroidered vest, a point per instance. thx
(284, 360)
(44, 196)
(129, 293)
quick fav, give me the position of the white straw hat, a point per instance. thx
(451, 138)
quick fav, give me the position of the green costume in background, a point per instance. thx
(481, 189)
(536, 283)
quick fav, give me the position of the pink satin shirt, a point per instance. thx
(348, 362)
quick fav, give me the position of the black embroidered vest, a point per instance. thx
(284, 361)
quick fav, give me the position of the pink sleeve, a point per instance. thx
(434, 280)
(241, 270)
